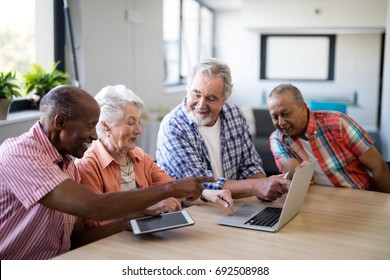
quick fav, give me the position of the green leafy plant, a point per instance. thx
(42, 82)
(8, 86)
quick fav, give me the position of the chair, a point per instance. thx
(329, 106)
(263, 129)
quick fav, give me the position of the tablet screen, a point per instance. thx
(163, 222)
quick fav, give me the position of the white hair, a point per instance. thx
(212, 67)
(111, 100)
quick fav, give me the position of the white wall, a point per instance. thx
(104, 43)
(385, 112)
(358, 48)
(17, 123)
(314, 14)
(120, 42)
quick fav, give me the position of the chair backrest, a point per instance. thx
(328, 106)
(263, 122)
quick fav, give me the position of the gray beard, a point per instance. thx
(199, 120)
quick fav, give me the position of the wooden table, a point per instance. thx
(333, 224)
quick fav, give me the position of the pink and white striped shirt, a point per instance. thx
(30, 169)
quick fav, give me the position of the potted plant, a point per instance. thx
(8, 90)
(41, 82)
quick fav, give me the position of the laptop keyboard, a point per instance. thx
(267, 217)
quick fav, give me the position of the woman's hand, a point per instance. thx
(167, 205)
(221, 197)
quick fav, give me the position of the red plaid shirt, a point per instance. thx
(337, 142)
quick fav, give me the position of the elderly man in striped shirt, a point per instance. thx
(40, 195)
(345, 152)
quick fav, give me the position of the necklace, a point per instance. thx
(126, 168)
(127, 176)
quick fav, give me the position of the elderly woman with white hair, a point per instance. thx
(114, 162)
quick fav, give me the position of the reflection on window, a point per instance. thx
(188, 37)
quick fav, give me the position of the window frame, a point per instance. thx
(181, 78)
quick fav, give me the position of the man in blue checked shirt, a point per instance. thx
(207, 136)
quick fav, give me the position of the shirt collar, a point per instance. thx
(312, 126)
(185, 111)
(106, 158)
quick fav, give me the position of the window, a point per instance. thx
(17, 35)
(30, 32)
(188, 37)
(297, 57)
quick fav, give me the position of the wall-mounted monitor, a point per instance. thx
(297, 57)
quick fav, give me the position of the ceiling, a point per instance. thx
(223, 5)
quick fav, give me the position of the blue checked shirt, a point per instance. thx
(182, 152)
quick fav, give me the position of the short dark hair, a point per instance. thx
(289, 90)
(60, 100)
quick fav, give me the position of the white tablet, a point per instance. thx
(162, 222)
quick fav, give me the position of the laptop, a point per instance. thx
(266, 218)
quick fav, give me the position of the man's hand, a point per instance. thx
(271, 188)
(190, 187)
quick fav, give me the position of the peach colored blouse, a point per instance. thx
(101, 173)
